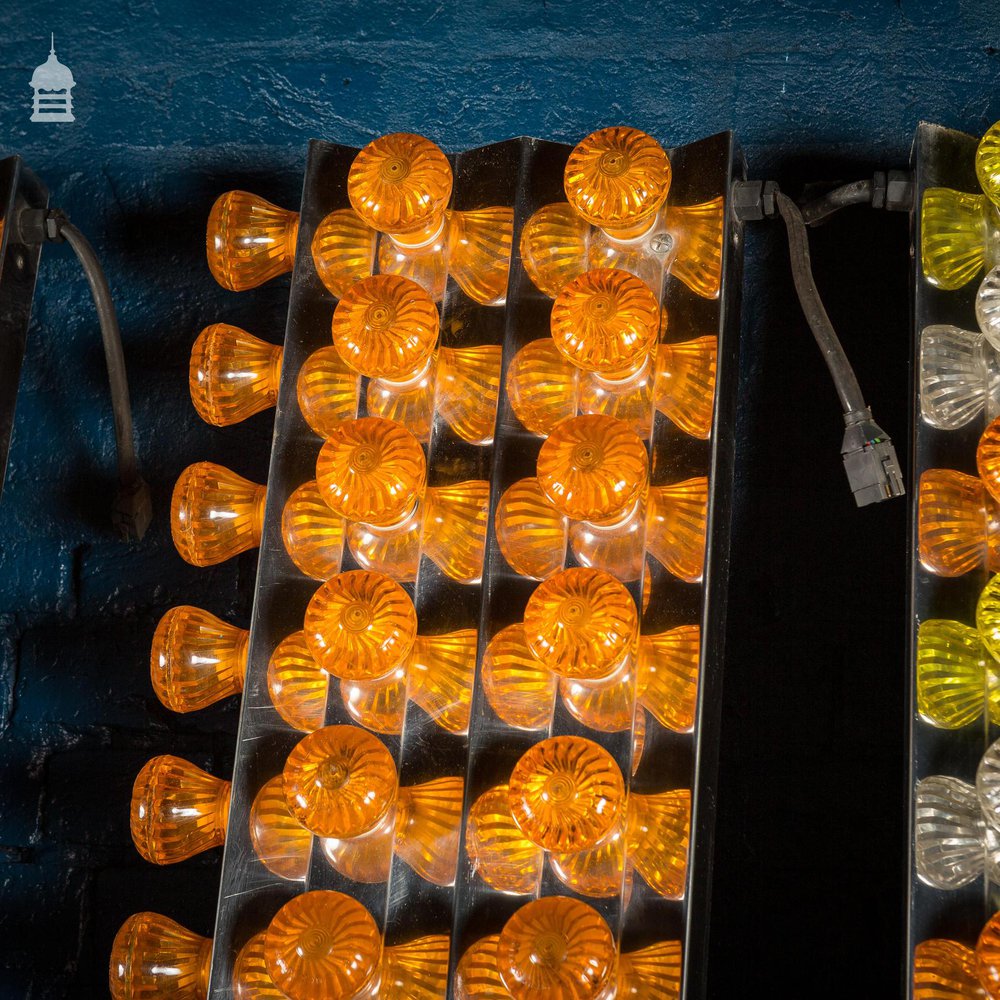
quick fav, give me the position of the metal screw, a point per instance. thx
(663, 243)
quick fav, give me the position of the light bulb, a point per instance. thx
(684, 390)
(945, 970)
(677, 527)
(154, 956)
(281, 843)
(956, 677)
(476, 975)
(377, 705)
(988, 459)
(988, 163)
(232, 375)
(428, 826)
(988, 616)
(479, 244)
(668, 676)
(215, 514)
(956, 523)
(543, 387)
(440, 671)
(530, 532)
(343, 249)
(453, 533)
(324, 944)
(658, 832)
(196, 659)
(958, 236)
(958, 377)
(417, 969)
(518, 686)
(988, 957)
(651, 972)
(178, 810)
(554, 247)
(297, 685)
(988, 308)
(312, 533)
(251, 980)
(500, 854)
(467, 386)
(249, 241)
(696, 255)
(328, 391)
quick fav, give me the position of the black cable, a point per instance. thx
(855, 193)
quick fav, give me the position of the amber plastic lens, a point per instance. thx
(600, 873)
(393, 550)
(654, 971)
(530, 531)
(581, 623)
(617, 178)
(606, 321)
(685, 384)
(386, 327)
(297, 684)
(988, 459)
(607, 706)
(566, 794)
(467, 387)
(328, 391)
(365, 859)
(453, 533)
(343, 249)
(154, 956)
(215, 514)
(945, 970)
(659, 828)
(677, 527)
(988, 163)
(360, 625)
(554, 247)
(312, 533)
(520, 689)
(323, 944)
(988, 956)
(416, 970)
(557, 948)
(441, 669)
(340, 782)
(479, 245)
(178, 810)
(377, 705)
(668, 676)
(543, 386)
(232, 375)
(476, 975)
(952, 522)
(278, 839)
(251, 980)
(953, 229)
(501, 855)
(196, 659)
(400, 184)
(697, 232)
(371, 470)
(249, 241)
(593, 467)
(428, 826)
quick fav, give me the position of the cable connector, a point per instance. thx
(870, 460)
(754, 200)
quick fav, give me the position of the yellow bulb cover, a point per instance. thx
(988, 163)
(178, 810)
(651, 973)
(955, 229)
(606, 321)
(428, 826)
(956, 677)
(454, 528)
(554, 247)
(416, 970)
(956, 523)
(684, 390)
(441, 670)
(324, 944)
(386, 327)
(518, 686)
(251, 980)
(499, 852)
(945, 970)
(360, 625)
(154, 956)
(617, 178)
(566, 794)
(312, 533)
(377, 705)
(215, 514)
(581, 623)
(371, 470)
(281, 843)
(668, 676)
(232, 374)
(467, 387)
(697, 254)
(593, 468)
(543, 386)
(327, 390)
(297, 685)
(677, 527)
(249, 241)
(343, 250)
(196, 659)
(479, 244)
(659, 828)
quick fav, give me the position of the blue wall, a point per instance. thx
(178, 102)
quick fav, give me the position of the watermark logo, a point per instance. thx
(52, 83)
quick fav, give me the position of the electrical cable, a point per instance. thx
(855, 193)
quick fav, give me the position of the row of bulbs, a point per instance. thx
(949, 969)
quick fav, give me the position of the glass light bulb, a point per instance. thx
(453, 534)
(581, 623)
(988, 163)
(249, 241)
(677, 527)
(360, 625)
(340, 782)
(543, 386)
(949, 835)
(606, 321)
(251, 980)
(651, 972)
(956, 523)
(518, 686)
(958, 377)
(557, 948)
(343, 249)
(592, 468)
(281, 843)
(617, 179)
(467, 386)
(400, 184)
(386, 327)
(501, 855)
(476, 975)
(945, 970)
(312, 533)
(566, 794)
(684, 390)
(196, 659)
(232, 374)
(479, 244)
(154, 956)
(371, 470)
(958, 236)
(659, 828)
(215, 514)
(297, 684)
(530, 532)
(668, 676)
(178, 810)
(988, 307)
(324, 944)
(428, 826)
(956, 677)
(328, 391)
(554, 247)
(441, 669)
(696, 257)
(377, 705)
(416, 970)
(600, 873)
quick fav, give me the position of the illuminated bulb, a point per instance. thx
(215, 514)
(377, 705)
(416, 970)
(519, 687)
(279, 840)
(249, 241)
(543, 387)
(500, 854)
(476, 975)
(945, 970)
(592, 468)
(958, 377)
(178, 810)
(297, 685)
(677, 526)
(988, 163)
(668, 676)
(343, 249)
(360, 625)
(988, 786)
(949, 837)
(581, 623)
(530, 532)
(153, 956)
(956, 676)
(479, 245)
(959, 235)
(312, 533)
(467, 387)
(386, 327)
(658, 833)
(557, 948)
(606, 321)
(566, 794)
(440, 670)
(696, 254)
(371, 470)
(684, 390)
(554, 247)
(617, 179)
(988, 307)
(956, 523)
(196, 659)
(328, 391)
(251, 980)
(324, 944)
(232, 375)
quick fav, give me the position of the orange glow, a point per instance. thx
(956, 523)
(154, 956)
(249, 241)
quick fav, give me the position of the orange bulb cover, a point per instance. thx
(530, 531)
(393, 550)
(956, 523)
(554, 247)
(297, 685)
(600, 873)
(367, 858)
(154, 956)
(377, 705)
(281, 843)
(659, 829)
(607, 706)
(416, 970)
(328, 391)
(543, 386)
(251, 980)
(453, 534)
(668, 676)
(467, 387)
(476, 975)
(479, 244)
(685, 384)
(249, 241)
(677, 527)
(409, 403)
(654, 971)
(518, 686)
(441, 670)
(697, 256)
(945, 970)
(312, 533)
(500, 854)
(428, 826)
(343, 249)
(988, 459)
(988, 956)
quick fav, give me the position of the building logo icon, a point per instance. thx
(52, 83)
